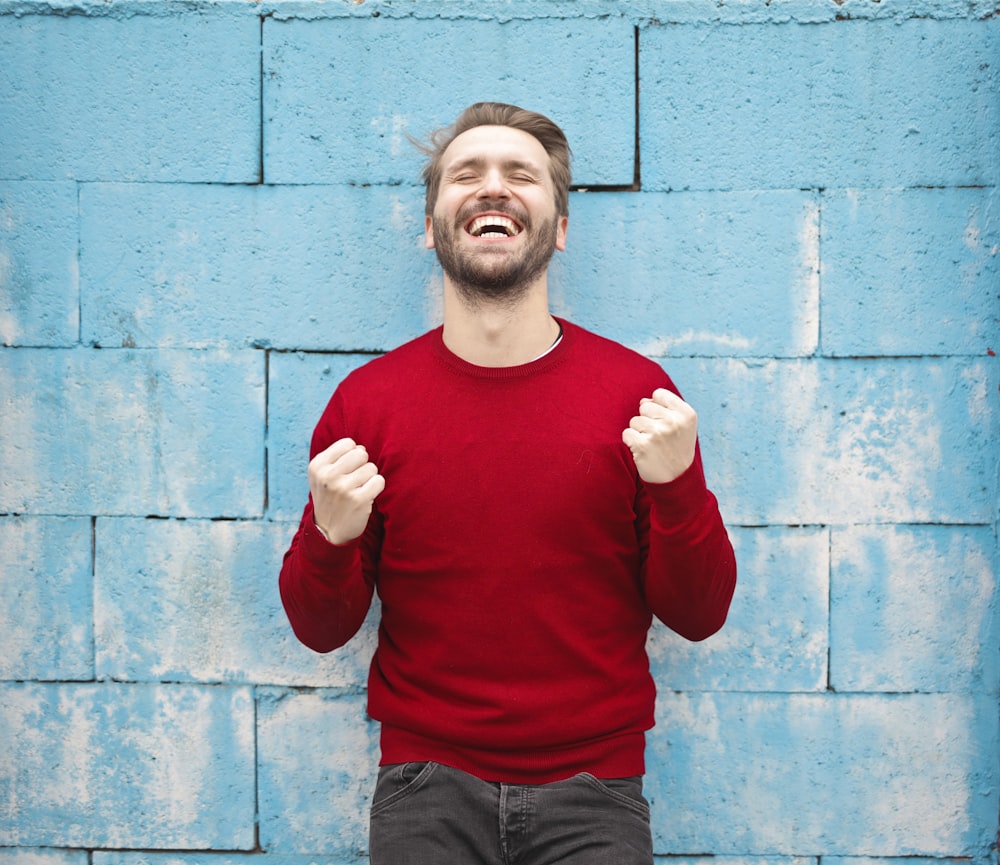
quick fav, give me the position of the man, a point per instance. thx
(524, 495)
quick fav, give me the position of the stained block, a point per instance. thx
(844, 442)
(910, 272)
(129, 857)
(914, 608)
(131, 97)
(148, 766)
(46, 598)
(336, 111)
(316, 768)
(762, 774)
(41, 856)
(694, 274)
(803, 106)
(130, 432)
(39, 284)
(197, 600)
(291, 267)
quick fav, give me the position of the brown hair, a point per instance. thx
(549, 135)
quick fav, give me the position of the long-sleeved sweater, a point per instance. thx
(517, 555)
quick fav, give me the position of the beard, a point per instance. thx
(492, 273)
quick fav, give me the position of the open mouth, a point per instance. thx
(493, 225)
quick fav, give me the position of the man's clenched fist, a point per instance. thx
(344, 485)
(662, 437)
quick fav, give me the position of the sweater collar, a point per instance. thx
(551, 357)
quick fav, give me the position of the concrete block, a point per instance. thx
(914, 608)
(910, 272)
(776, 636)
(735, 860)
(694, 274)
(846, 442)
(337, 109)
(132, 857)
(172, 433)
(46, 598)
(843, 104)
(877, 860)
(298, 388)
(39, 284)
(197, 600)
(317, 762)
(112, 766)
(39, 856)
(161, 97)
(292, 267)
(903, 775)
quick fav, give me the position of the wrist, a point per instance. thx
(322, 531)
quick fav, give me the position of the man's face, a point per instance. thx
(494, 225)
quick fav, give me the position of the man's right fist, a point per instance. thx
(344, 485)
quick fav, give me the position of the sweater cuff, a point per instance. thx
(321, 553)
(680, 499)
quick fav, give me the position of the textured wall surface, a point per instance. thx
(209, 213)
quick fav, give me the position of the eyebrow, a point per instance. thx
(480, 162)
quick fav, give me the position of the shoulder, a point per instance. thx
(387, 369)
(611, 359)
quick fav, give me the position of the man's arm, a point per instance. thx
(326, 588)
(689, 569)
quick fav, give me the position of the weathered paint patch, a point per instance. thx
(151, 766)
(39, 281)
(107, 432)
(843, 442)
(914, 609)
(46, 606)
(40, 856)
(316, 773)
(852, 775)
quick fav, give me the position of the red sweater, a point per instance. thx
(517, 555)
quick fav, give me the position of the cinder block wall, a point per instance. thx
(209, 213)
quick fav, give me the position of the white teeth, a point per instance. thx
(493, 225)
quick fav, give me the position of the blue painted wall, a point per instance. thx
(209, 213)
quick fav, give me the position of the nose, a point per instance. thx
(493, 186)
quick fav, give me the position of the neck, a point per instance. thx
(498, 333)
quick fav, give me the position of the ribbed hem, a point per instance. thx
(620, 756)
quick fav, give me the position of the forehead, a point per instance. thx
(497, 144)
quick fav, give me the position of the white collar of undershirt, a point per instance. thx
(552, 347)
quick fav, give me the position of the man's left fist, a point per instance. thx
(662, 437)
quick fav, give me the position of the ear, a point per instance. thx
(428, 232)
(561, 233)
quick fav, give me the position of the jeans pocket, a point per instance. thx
(397, 781)
(624, 791)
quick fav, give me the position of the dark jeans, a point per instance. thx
(429, 814)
